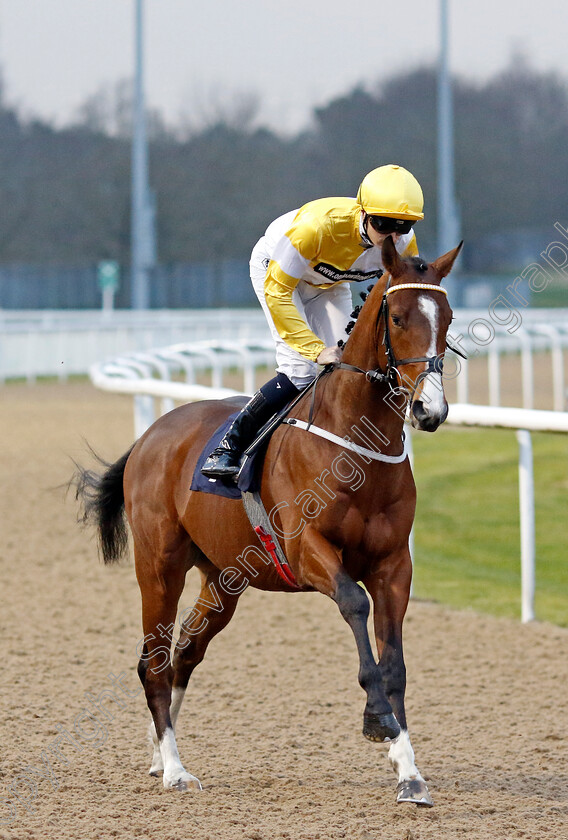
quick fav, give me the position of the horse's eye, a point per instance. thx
(397, 321)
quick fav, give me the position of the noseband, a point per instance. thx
(392, 376)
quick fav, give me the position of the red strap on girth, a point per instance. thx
(283, 569)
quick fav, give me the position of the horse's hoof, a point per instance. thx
(414, 791)
(184, 783)
(157, 767)
(380, 727)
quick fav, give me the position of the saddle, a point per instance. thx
(250, 472)
(247, 487)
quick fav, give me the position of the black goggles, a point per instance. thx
(383, 224)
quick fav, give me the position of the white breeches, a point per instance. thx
(326, 312)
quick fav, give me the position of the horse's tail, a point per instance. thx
(102, 504)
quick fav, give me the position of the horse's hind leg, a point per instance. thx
(161, 576)
(211, 612)
(389, 591)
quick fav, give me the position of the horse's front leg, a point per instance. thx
(390, 589)
(322, 568)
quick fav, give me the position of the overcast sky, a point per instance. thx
(294, 53)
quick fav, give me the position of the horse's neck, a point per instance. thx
(353, 407)
(349, 402)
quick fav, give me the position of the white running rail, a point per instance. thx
(64, 343)
(536, 336)
(170, 374)
(524, 421)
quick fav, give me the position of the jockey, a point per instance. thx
(300, 270)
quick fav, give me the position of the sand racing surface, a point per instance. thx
(272, 719)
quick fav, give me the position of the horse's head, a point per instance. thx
(416, 316)
(403, 327)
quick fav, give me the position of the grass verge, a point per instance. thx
(467, 543)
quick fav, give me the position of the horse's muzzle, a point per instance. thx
(425, 420)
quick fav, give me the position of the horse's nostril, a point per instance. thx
(428, 422)
(418, 410)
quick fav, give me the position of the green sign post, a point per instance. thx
(108, 278)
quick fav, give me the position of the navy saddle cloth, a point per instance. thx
(226, 487)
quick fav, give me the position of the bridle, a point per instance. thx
(392, 376)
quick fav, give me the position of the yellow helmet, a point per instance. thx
(391, 191)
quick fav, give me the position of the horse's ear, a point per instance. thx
(392, 261)
(443, 265)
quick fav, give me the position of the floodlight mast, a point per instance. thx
(143, 237)
(448, 211)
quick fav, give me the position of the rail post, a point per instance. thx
(526, 505)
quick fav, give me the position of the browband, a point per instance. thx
(428, 286)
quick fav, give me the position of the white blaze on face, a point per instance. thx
(432, 394)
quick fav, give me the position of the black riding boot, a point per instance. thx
(225, 460)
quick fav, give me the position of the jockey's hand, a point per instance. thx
(330, 356)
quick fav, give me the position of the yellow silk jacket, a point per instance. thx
(322, 243)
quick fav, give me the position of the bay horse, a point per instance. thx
(342, 511)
